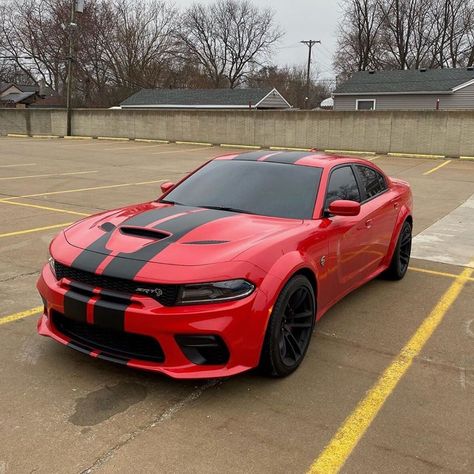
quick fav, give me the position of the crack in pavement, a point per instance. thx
(165, 416)
(16, 277)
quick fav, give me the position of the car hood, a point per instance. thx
(174, 234)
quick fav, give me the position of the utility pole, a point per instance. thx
(310, 44)
(76, 6)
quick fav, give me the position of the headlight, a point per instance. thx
(51, 265)
(214, 292)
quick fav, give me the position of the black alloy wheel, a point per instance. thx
(405, 247)
(401, 257)
(290, 328)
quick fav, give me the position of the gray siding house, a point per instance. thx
(422, 89)
(206, 99)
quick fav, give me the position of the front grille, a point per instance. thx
(168, 298)
(112, 342)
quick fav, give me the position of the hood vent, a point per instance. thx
(144, 232)
(107, 227)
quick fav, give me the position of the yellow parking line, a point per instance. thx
(437, 167)
(48, 175)
(193, 143)
(433, 272)
(152, 140)
(45, 208)
(336, 453)
(132, 147)
(350, 152)
(283, 148)
(183, 151)
(22, 315)
(37, 229)
(16, 166)
(416, 155)
(76, 137)
(245, 147)
(79, 190)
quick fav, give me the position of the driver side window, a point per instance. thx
(342, 185)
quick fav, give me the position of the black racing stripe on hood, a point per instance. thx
(289, 157)
(95, 253)
(147, 217)
(91, 257)
(252, 156)
(178, 227)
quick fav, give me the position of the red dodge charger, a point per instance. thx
(230, 268)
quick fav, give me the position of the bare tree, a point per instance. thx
(359, 37)
(291, 82)
(228, 38)
(140, 43)
(403, 34)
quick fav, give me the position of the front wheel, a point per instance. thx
(289, 329)
(401, 257)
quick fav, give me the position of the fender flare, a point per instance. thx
(403, 215)
(281, 272)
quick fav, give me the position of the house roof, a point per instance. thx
(415, 81)
(27, 88)
(197, 97)
(4, 86)
(15, 98)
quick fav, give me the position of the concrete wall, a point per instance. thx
(443, 132)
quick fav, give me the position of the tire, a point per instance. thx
(401, 257)
(285, 344)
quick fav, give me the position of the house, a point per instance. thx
(22, 96)
(17, 96)
(419, 89)
(206, 99)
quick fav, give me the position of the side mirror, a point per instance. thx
(167, 186)
(344, 208)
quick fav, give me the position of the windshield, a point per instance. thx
(267, 189)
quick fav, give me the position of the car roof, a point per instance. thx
(302, 158)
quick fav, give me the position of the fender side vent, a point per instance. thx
(144, 232)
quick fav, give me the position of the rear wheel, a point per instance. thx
(401, 256)
(289, 329)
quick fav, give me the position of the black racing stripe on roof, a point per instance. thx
(252, 156)
(178, 228)
(289, 157)
(93, 255)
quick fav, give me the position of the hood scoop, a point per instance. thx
(144, 232)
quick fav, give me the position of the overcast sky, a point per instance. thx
(302, 20)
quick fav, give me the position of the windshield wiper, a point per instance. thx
(229, 209)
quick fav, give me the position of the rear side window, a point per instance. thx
(342, 185)
(372, 181)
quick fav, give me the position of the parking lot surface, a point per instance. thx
(387, 385)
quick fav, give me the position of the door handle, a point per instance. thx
(396, 204)
(368, 223)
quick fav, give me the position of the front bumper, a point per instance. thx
(238, 325)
